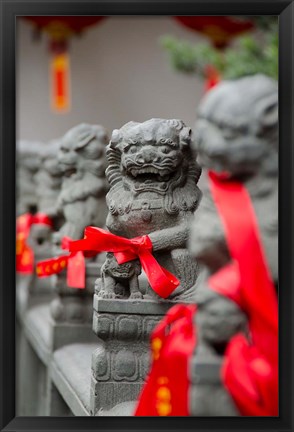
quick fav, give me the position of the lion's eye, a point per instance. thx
(165, 149)
(133, 149)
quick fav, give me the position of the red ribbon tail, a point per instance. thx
(161, 280)
(76, 270)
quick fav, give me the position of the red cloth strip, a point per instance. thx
(74, 263)
(96, 239)
(250, 371)
(24, 254)
(166, 391)
(257, 292)
(52, 266)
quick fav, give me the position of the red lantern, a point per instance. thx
(219, 29)
(60, 29)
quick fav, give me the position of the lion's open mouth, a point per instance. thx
(150, 174)
(69, 171)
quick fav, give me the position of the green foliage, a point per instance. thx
(248, 56)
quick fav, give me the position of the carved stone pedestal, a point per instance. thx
(73, 305)
(208, 397)
(121, 360)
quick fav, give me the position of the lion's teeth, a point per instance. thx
(147, 170)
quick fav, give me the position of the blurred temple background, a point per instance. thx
(119, 72)
(119, 69)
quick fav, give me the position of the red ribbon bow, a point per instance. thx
(73, 262)
(96, 239)
(24, 254)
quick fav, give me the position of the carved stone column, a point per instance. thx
(153, 178)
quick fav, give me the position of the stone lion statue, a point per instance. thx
(153, 190)
(82, 198)
(236, 135)
(47, 181)
(48, 178)
(27, 164)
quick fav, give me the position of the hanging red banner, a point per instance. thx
(60, 82)
(60, 30)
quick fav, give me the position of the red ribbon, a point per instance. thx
(98, 240)
(166, 391)
(24, 254)
(73, 262)
(250, 371)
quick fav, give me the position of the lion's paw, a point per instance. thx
(106, 294)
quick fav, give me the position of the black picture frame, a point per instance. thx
(10, 9)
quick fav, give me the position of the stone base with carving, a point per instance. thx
(121, 360)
